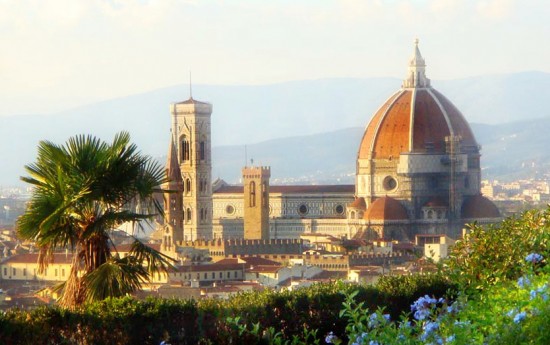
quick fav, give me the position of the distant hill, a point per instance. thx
(514, 150)
(294, 110)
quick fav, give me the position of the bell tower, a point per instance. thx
(191, 130)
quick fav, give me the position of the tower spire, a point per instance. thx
(417, 70)
(190, 86)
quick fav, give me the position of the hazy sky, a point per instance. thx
(57, 54)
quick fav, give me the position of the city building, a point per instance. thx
(418, 172)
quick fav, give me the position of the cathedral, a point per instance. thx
(417, 172)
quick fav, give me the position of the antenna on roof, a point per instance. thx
(190, 86)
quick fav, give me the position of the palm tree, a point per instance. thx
(81, 191)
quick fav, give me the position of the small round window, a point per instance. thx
(302, 209)
(390, 183)
(229, 209)
(339, 209)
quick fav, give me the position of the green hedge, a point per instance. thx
(129, 321)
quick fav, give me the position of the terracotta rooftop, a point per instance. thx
(249, 261)
(386, 208)
(359, 203)
(124, 248)
(299, 189)
(264, 269)
(395, 129)
(209, 267)
(58, 258)
(478, 206)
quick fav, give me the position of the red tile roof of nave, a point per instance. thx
(313, 189)
(478, 206)
(386, 208)
(429, 123)
(366, 147)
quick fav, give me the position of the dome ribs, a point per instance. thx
(430, 126)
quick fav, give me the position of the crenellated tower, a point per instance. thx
(192, 135)
(256, 202)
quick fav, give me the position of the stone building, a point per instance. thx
(418, 172)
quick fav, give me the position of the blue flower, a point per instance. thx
(422, 307)
(523, 282)
(520, 317)
(386, 317)
(373, 342)
(541, 291)
(450, 339)
(429, 328)
(330, 338)
(360, 338)
(534, 258)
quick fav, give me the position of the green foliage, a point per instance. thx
(490, 255)
(266, 317)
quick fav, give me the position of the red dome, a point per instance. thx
(414, 120)
(386, 208)
(358, 203)
(478, 206)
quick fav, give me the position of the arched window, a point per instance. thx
(185, 149)
(188, 218)
(202, 151)
(252, 194)
(187, 186)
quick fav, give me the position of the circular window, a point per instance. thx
(339, 209)
(302, 209)
(390, 183)
(229, 209)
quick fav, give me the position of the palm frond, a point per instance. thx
(154, 261)
(116, 277)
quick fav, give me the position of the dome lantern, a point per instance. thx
(416, 77)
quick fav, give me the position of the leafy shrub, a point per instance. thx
(295, 315)
(487, 256)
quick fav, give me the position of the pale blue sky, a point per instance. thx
(57, 54)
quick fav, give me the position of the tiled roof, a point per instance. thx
(359, 203)
(58, 258)
(392, 129)
(478, 206)
(301, 189)
(124, 248)
(210, 267)
(264, 269)
(386, 208)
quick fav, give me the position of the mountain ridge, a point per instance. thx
(256, 113)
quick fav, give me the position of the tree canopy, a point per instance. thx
(82, 190)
